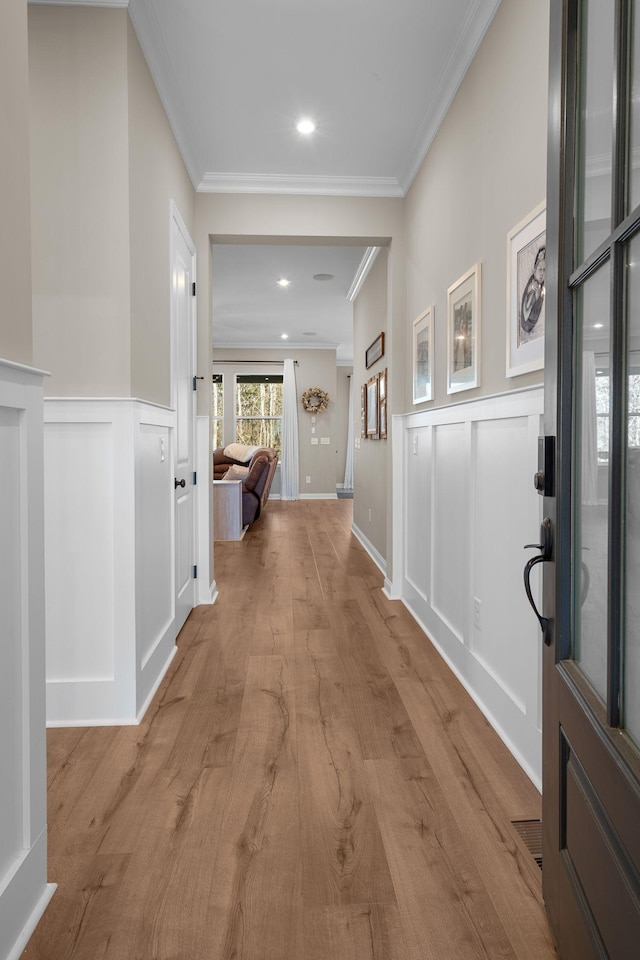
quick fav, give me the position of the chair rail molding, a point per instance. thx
(463, 507)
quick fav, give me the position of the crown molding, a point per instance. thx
(366, 263)
(78, 3)
(472, 31)
(301, 185)
(280, 347)
(145, 23)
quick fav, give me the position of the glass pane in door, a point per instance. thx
(595, 128)
(591, 477)
(631, 660)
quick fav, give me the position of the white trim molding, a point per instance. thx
(373, 552)
(362, 272)
(463, 506)
(24, 892)
(300, 185)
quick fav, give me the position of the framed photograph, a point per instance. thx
(526, 275)
(464, 332)
(382, 404)
(375, 351)
(363, 410)
(423, 356)
(372, 408)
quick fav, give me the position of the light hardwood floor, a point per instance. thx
(310, 783)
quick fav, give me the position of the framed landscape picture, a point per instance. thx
(464, 332)
(375, 351)
(423, 356)
(382, 404)
(526, 277)
(372, 408)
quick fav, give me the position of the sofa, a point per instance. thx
(255, 466)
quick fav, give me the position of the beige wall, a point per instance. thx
(80, 199)
(105, 166)
(15, 242)
(485, 171)
(315, 368)
(157, 174)
(371, 485)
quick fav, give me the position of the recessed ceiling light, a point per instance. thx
(598, 326)
(284, 336)
(310, 333)
(283, 282)
(323, 276)
(305, 126)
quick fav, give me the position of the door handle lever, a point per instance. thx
(545, 548)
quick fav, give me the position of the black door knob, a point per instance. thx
(178, 483)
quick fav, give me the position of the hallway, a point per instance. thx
(310, 783)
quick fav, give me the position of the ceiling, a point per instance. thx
(235, 76)
(251, 309)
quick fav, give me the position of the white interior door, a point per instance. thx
(183, 314)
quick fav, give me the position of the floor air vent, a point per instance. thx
(530, 832)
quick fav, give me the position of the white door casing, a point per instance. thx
(183, 342)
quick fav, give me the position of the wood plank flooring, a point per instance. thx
(310, 783)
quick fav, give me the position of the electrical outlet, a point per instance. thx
(314, 441)
(313, 429)
(477, 606)
(369, 514)
(325, 440)
(307, 479)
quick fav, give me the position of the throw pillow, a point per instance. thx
(236, 473)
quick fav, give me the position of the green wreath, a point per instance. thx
(315, 400)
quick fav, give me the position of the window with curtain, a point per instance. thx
(217, 411)
(259, 410)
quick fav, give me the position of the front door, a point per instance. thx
(183, 371)
(591, 595)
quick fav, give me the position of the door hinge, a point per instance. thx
(193, 289)
(195, 478)
(195, 571)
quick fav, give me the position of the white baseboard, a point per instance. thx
(210, 595)
(145, 706)
(34, 918)
(318, 496)
(375, 555)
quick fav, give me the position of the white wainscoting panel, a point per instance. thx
(79, 525)
(464, 506)
(24, 892)
(109, 557)
(155, 595)
(418, 512)
(450, 524)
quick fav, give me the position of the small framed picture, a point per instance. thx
(372, 409)
(423, 356)
(526, 276)
(363, 411)
(464, 332)
(382, 404)
(375, 351)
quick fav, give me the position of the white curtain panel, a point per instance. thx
(348, 470)
(289, 468)
(589, 447)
